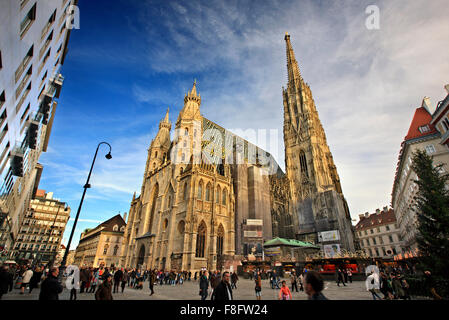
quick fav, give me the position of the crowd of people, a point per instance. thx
(104, 281)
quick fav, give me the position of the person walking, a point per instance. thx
(118, 275)
(373, 285)
(340, 277)
(349, 272)
(6, 280)
(152, 280)
(94, 281)
(104, 291)
(284, 292)
(314, 285)
(301, 282)
(234, 279)
(204, 285)
(124, 279)
(429, 283)
(35, 278)
(84, 278)
(223, 291)
(26, 278)
(258, 288)
(293, 280)
(51, 288)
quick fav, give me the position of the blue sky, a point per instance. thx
(132, 59)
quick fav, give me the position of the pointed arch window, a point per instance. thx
(224, 196)
(200, 190)
(217, 197)
(208, 192)
(220, 240)
(184, 195)
(201, 240)
(303, 163)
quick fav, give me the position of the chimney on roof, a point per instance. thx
(49, 195)
(361, 216)
(377, 211)
(385, 209)
(426, 104)
(366, 214)
(447, 88)
(124, 216)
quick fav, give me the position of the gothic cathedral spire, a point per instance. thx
(317, 199)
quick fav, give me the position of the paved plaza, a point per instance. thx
(190, 291)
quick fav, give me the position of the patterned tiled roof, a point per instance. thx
(375, 220)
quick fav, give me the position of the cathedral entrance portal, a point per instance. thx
(141, 257)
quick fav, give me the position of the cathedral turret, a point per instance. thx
(160, 145)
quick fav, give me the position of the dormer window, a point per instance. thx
(424, 129)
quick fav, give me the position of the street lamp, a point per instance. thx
(86, 186)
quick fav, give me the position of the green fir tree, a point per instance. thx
(432, 214)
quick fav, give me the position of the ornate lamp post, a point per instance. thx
(86, 186)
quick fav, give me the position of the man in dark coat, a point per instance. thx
(204, 285)
(104, 291)
(118, 275)
(84, 278)
(223, 291)
(6, 281)
(51, 288)
(152, 279)
(340, 278)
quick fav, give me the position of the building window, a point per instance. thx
(105, 250)
(2, 98)
(224, 196)
(430, 149)
(394, 251)
(374, 241)
(185, 192)
(28, 20)
(217, 196)
(390, 238)
(303, 162)
(200, 190)
(372, 231)
(208, 192)
(387, 228)
(446, 123)
(220, 237)
(201, 240)
(424, 129)
(115, 250)
(377, 252)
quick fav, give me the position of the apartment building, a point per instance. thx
(42, 228)
(33, 45)
(101, 245)
(378, 234)
(422, 135)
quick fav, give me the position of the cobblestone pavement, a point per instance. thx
(190, 291)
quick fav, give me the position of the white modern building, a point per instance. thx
(33, 44)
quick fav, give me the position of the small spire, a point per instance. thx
(166, 119)
(134, 196)
(193, 91)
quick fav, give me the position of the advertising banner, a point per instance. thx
(332, 235)
(330, 250)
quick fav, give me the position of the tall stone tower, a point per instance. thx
(317, 201)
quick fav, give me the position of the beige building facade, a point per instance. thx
(378, 234)
(42, 228)
(101, 245)
(422, 135)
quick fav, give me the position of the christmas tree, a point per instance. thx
(432, 214)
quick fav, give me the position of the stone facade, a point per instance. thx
(316, 203)
(101, 245)
(210, 197)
